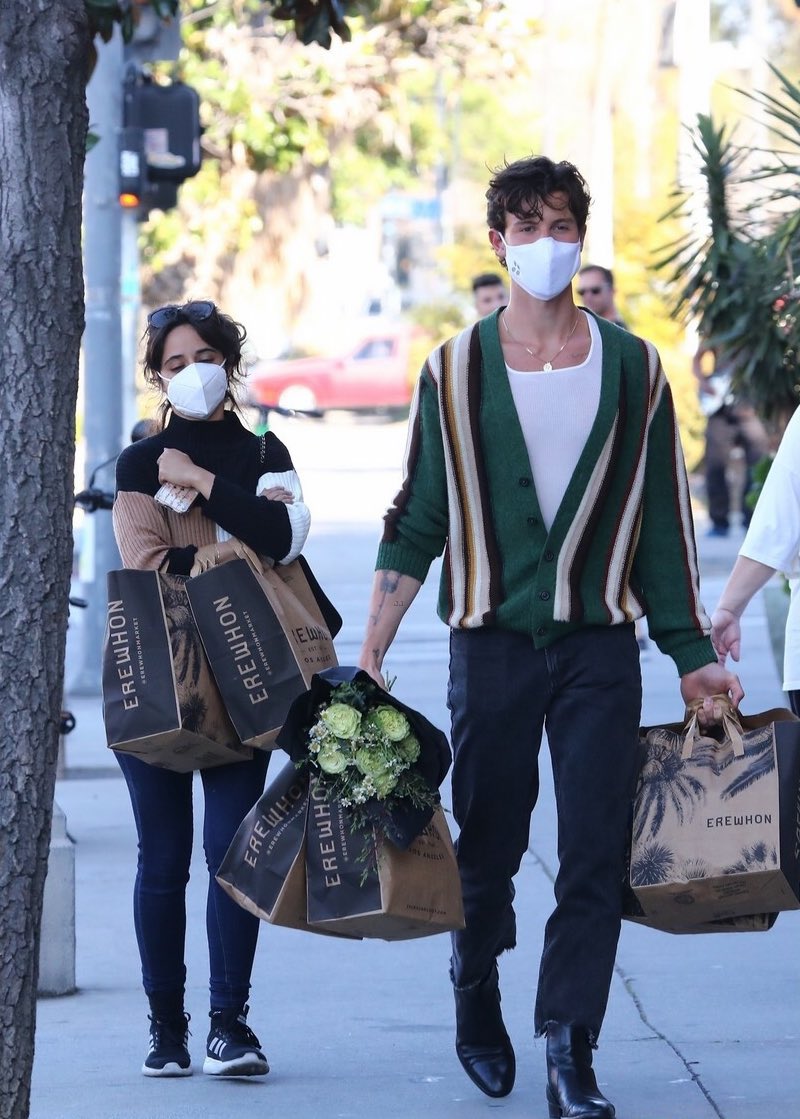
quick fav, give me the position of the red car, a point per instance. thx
(375, 374)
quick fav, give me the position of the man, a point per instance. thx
(543, 458)
(489, 293)
(731, 421)
(596, 291)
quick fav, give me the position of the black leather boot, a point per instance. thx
(482, 1043)
(572, 1091)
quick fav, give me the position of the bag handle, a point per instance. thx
(729, 719)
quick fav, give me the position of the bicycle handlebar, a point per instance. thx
(93, 499)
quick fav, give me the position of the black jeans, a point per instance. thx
(162, 808)
(586, 691)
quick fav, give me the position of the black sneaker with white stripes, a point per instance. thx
(168, 1054)
(233, 1049)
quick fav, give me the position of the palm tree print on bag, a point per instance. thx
(655, 863)
(187, 652)
(188, 658)
(759, 856)
(667, 779)
(759, 752)
(664, 782)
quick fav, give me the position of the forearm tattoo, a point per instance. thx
(389, 582)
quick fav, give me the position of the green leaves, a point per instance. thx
(105, 14)
(313, 19)
(733, 271)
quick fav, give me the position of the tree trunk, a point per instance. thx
(44, 56)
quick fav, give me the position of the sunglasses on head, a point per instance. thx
(590, 291)
(196, 311)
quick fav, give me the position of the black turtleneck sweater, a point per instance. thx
(237, 458)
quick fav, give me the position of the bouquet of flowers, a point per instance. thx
(383, 761)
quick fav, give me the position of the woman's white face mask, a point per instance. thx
(543, 268)
(197, 390)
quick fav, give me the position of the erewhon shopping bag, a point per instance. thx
(264, 868)
(264, 639)
(160, 700)
(361, 884)
(714, 833)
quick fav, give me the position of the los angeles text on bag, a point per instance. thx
(714, 830)
(264, 637)
(160, 700)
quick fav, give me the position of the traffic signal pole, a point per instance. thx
(102, 383)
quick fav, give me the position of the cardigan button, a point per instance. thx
(533, 521)
(544, 595)
(548, 555)
(541, 631)
(524, 481)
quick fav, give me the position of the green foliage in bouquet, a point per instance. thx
(362, 750)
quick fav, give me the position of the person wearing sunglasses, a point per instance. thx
(595, 290)
(185, 497)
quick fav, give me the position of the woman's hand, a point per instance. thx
(278, 493)
(175, 466)
(209, 555)
(726, 634)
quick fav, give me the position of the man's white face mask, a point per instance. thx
(543, 268)
(197, 390)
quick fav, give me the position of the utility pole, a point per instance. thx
(102, 349)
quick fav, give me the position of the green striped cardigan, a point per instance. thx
(622, 542)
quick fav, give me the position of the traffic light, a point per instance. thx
(160, 145)
(132, 178)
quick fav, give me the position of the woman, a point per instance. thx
(238, 487)
(772, 543)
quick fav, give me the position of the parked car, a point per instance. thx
(374, 375)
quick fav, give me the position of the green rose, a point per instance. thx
(384, 784)
(343, 720)
(371, 761)
(331, 760)
(390, 722)
(409, 749)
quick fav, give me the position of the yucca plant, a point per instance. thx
(733, 270)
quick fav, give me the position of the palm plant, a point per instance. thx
(733, 270)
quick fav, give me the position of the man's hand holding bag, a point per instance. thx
(264, 635)
(715, 822)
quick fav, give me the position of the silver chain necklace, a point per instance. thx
(548, 365)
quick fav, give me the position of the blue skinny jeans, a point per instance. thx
(162, 809)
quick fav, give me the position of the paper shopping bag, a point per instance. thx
(263, 642)
(160, 700)
(750, 922)
(715, 822)
(368, 887)
(264, 867)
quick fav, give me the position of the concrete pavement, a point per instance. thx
(697, 1027)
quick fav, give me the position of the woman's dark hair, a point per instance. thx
(520, 188)
(219, 330)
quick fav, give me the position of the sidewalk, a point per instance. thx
(697, 1027)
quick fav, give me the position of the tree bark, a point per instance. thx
(44, 57)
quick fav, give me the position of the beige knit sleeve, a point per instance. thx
(141, 530)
